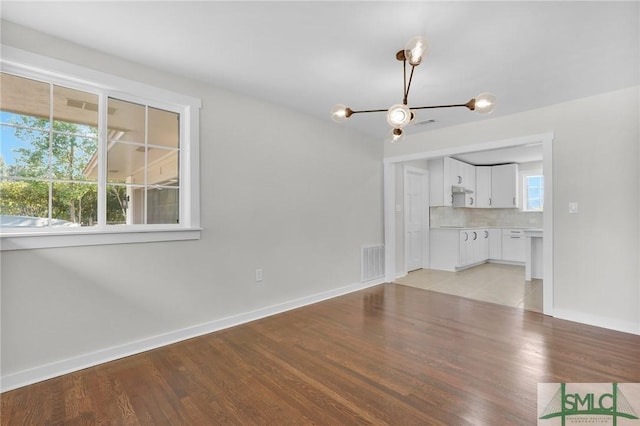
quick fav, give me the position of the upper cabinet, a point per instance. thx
(446, 173)
(458, 184)
(483, 187)
(504, 186)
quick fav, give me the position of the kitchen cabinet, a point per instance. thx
(504, 186)
(495, 244)
(457, 249)
(513, 245)
(483, 186)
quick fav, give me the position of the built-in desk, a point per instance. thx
(533, 260)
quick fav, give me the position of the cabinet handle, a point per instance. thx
(514, 201)
(489, 200)
(459, 179)
(471, 200)
(451, 198)
(486, 234)
(517, 238)
(475, 236)
(466, 236)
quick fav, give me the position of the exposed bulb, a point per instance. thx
(339, 113)
(416, 49)
(399, 115)
(485, 103)
(395, 136)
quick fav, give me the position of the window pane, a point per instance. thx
(25, 152)
(535, 192)
(118, 203)
(22, 202)
(75, 111)
(26, 99)
(126, 121)
(125, 163)
(163, 167)
(162, 205)
(73, 157)
(75, 203)
(163, 128)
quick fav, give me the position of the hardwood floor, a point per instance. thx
(390, 354)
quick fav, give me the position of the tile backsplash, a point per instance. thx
(449, 216)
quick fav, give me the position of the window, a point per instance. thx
(79, 160)
(533, 192)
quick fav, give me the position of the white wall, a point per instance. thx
(281, 191)
(596, 158)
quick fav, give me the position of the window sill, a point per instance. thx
(37, 240)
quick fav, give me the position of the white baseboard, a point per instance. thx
(69, 365)
(598, 321)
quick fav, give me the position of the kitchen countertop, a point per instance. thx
(526, 229)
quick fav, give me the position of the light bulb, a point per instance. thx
(339, 113)
(416, 49)
(395, 136)
(399, 116)
(485, 103)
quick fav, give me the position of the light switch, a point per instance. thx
(573, 207)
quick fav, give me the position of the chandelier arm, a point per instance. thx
(404, 81)
(470, 105)
(406, 93)
(368, 110)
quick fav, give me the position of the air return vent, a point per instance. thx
(372, 263)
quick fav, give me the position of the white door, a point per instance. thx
(416, 218)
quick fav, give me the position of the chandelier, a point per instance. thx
(400, 115)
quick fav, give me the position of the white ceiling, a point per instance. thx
(311, 55)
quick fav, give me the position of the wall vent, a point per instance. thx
(372, 263)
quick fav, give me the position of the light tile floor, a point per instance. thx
(490, 282)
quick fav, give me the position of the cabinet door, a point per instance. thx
(484, 245)
(495, 244)
(513, 245)
(465, 244)
(504, 188)
(469, 182)
(483, 186)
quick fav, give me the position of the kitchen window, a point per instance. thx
(85, 165)
(533, 192)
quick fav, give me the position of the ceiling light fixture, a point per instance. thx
(400, 115)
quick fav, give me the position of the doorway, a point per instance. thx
(393, 250)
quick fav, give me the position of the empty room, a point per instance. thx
(236, 213)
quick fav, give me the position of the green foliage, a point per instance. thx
(61, 156)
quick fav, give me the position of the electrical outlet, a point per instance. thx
(573, 207)
(258, 275)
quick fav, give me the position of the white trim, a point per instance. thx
(598, 321)
(389, 200)
(56, 69)
(76, 239)
(37, 374)
(389, 224)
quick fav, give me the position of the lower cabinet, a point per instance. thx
(456, 249)
(495, 244)
(513, 245)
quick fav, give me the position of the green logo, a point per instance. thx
(587, 401)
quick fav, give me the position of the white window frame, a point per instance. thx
(30, 65)
(525, 190)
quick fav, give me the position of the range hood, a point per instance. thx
(457, 189)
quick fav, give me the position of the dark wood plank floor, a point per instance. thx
(387, 355)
